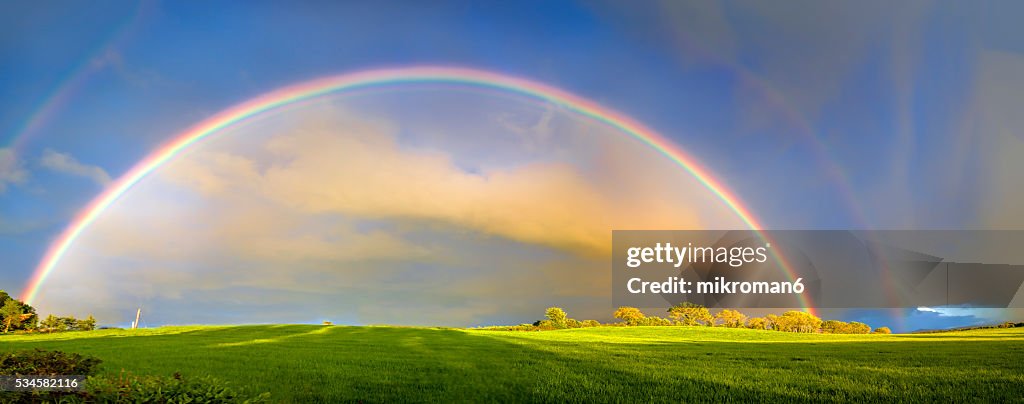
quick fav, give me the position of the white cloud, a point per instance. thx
(12, 171)
(65, 163)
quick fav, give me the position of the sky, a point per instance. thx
(455, 206)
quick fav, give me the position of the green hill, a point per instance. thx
(306, 363)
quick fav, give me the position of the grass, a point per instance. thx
(307, 363)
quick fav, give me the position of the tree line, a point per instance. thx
(690, 314)
(15, 315)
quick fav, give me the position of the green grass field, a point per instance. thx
(306, 363)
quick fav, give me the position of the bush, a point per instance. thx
(883, 330)
(128, 388)
(124, 388)
(653, 321)
(46, 363)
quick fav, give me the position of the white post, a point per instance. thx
(136, 323)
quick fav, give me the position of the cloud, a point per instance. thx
(344, 216)
(12, 171)
(67, 164)
(545, 202)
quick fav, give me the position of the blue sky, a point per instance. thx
(867, 115)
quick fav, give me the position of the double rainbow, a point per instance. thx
(364, 79)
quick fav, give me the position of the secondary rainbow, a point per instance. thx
(368, 78)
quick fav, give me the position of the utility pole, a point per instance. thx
(137, 315)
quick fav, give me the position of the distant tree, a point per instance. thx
(798, 321)
(573, 323)
(88, 324)
(731, 318)
(51, 323)
(11, 312)
(771, 322)
(833, 327)
(858, 328)
(687, 313)
(557, 317)
(1008, 324)
(883, 330)
(653, 321)
(757, 323)
(590, 323)
(630, 315)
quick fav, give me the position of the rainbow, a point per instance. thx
(76, 79)
(369, 78)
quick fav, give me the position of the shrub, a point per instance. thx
(590, 323)
(46, 363)
(128, 388)
(545, 325)
(883, 330)
(653, 321)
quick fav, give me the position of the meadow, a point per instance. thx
(310, 363)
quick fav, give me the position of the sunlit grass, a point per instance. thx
(306, 363)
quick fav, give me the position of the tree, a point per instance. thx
(687, 313)
(797, 321)
(88, 324)
(51, 323)
(631, 315)
(12, 312)
(858, 328)
(26, 318)
(557, 317)
(883, 330)
(757, 323)
(731, 318)
(833, 327)
(771, 322)
(590, 323)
